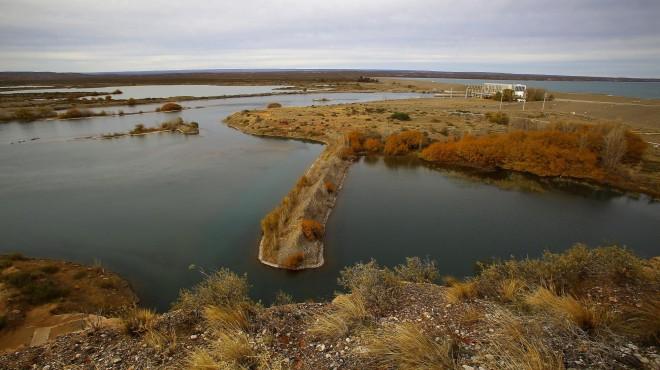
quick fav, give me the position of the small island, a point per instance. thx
(177, 125)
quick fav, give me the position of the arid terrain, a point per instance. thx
(43, 299)
(585, 308)
(354, 129)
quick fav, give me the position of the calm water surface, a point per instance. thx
(162, 91)
(397, 208)
(148, 207)
(645, 90)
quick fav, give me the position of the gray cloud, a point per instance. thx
(591, 37)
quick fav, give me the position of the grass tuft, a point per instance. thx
(138, 321)
(460, 291)
(405, 346)
(578, 313)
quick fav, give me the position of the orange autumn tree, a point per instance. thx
(372, 145)
(355, 141)
(574, 153)
(403, 142)
(313, 230)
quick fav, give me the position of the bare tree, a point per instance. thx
(614, 147)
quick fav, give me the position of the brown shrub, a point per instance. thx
(303, 181)
(403, 142)
(170, 107)
(347, 154)
(274, 105)
(355, 141)
(500, 118)
(373, 145)
(76, 113)
(543, 153)
(293, 260)
(312, 229)
(635, 148)
(330, 187)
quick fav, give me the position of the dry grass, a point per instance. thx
(641, 322)
(234, 347)
(349, 311)
(161, 340)
(138, 321)
(226, 319)
(520, 346)
(584, 316)
(378, 286)
(231, 350)
(471, 315)
(222, 288)
(201, 359)
(510, 289)
(460, 291)
(407, 347)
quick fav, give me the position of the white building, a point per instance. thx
(490, 89)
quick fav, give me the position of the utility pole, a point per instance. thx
(524, 101)
(543, 106)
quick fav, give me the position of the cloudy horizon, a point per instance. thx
(588, 38)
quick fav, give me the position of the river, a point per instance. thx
(157, 209)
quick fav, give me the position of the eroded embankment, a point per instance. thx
(293, 231)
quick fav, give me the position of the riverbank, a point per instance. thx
(26, 106)
(44, 299)
(409, 125)
(515, 314)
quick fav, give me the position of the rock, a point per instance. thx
(320, 347)
(116, 360)
(193, 337)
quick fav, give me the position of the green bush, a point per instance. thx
(400, 116)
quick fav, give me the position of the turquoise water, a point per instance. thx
(645, 90)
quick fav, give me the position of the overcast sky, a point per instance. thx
(577, 37)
